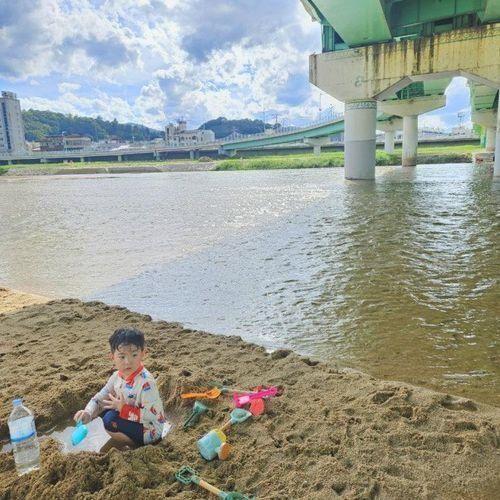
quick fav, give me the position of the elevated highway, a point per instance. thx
(398, 56)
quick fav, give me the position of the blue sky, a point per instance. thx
(153, 61)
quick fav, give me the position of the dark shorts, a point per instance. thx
(114, 423)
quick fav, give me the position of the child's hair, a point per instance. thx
(126, 336)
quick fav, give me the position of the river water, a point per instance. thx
(399, 278)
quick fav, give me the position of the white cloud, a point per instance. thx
(65, 87)
(150, 61)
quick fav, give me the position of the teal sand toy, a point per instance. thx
(187, 475)
(213, 444)
(79, 434)
(198, 410)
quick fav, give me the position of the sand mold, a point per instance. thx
(331, 433)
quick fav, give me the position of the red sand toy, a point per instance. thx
(243, 399)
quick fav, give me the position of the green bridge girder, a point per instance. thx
(313, 132)
(364, 22)
(482, 97)
(321, 130)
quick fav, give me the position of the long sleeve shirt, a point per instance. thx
(142, 401)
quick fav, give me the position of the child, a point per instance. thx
(133, 411)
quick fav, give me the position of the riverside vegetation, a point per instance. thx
(427, 154)
(458, 153)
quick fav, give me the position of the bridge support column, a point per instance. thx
(409, 109)
(317, 142)
(390, 127)
(119, 158)
(82, 160)
(359, 139)
(490, 138)
(191, 155)
(156, 155)
(9, 162)
(410, 140)
(496, 168)
(389, 142)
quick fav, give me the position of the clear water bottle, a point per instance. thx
(23, 438)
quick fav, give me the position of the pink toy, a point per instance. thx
(243, 399)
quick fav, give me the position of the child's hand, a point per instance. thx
(114, 403)
(82, 416)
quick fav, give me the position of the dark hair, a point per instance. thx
(126, 336)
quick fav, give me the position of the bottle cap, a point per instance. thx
(17, 402)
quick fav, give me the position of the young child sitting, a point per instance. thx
(129, 403)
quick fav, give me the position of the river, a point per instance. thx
(398, 278)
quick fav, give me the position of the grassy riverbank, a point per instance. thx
(426, 154)
(458, 153)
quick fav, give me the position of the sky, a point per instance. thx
(155, 61)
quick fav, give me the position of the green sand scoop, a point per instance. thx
(198, 410)
(187, 475)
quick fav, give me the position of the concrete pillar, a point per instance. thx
(9, 162)
(490, 138)
(409, 109)
(191, 155)
(82, 160)
(496, 168)
(317, 142)
(359, 139)
(389, 142)
(410, 140)
(119, 158)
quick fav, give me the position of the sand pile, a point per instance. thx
(329, 434)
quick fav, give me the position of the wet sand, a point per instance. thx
(329, 434)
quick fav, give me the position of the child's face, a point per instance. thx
(128, 358)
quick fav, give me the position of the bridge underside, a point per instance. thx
(403, 58)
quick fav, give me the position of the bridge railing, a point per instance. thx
(234, 137)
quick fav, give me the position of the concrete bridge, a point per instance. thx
(397, 57)
(316, 134)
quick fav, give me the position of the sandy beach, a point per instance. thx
(331, 433)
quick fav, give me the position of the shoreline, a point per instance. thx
(331, 433)
(428, 155)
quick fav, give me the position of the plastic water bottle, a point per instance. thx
(23, 438)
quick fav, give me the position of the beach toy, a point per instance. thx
(213, 444)
(79, 434)
(198, 410)
(187, 475)
(211, 394)
(257, 406)
(243, 399)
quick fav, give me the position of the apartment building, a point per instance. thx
(11, 124)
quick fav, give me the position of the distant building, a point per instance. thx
(11, 124)
(462, 130)
(70, 142)
(178, 135)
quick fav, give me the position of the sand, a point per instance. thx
(330, 433)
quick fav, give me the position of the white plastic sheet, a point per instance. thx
(96, 438)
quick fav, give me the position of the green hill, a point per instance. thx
(38, 124)
(223, 127)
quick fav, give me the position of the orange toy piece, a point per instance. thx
(210, 394)
(257, 406)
